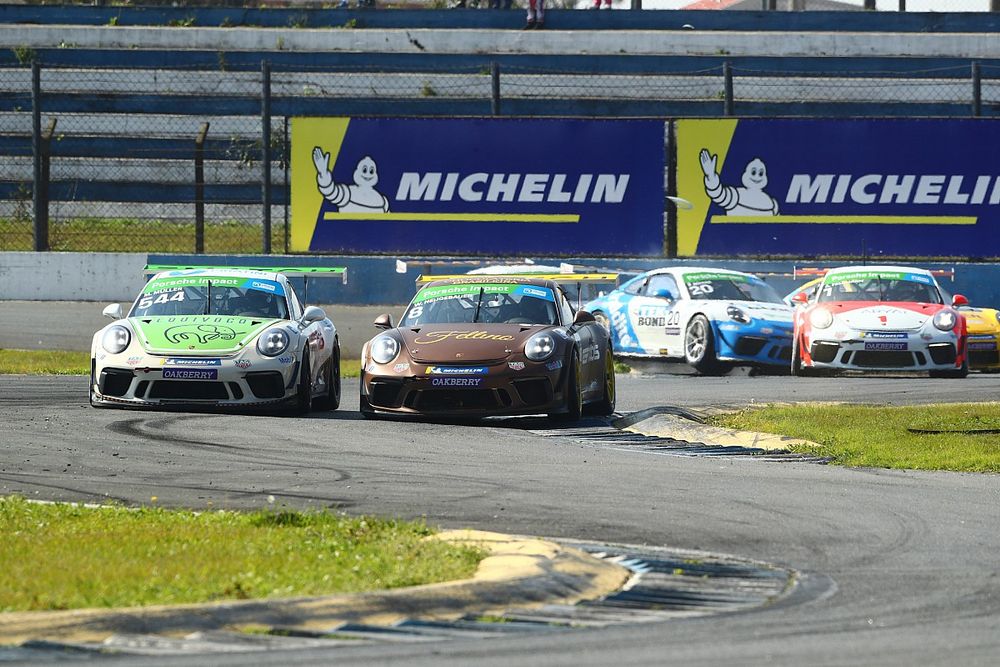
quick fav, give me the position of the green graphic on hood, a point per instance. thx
(199, 333)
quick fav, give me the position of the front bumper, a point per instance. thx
(160, 381)
(984, 351)
(526, 389)
(888, 351)
(766, 345)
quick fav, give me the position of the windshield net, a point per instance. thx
(880, 286)
(486, 303)
(207, 295)
(729, 287)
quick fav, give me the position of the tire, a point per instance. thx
(93, 381)
(574, 397)
(606, 405)
(331, 376)
(956, 373)
(303, 391)
(699, 347)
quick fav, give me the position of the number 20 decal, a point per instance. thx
(700, 288)
(673, 318)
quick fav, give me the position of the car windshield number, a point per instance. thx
(147, 301)
(701, 288)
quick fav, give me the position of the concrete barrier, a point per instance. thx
(70, 276)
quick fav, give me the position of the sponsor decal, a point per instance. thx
(200, 333)
(243, 363)
(554, 365)
(865, 276)
(188, 361)
(883, 334)
(133, 361)
(169, 284)
(190, 374)
(766, 330)
(534, 291)
(456, 382)
(515, 365)
(371, 368)
(590, 354)
(886, 346)
(472, 289)
(401, 368)
(708, 276)
(651, 322)
(317, 339)
(457, 370)
(983, 346)
(287, 359)
(269, 287)
(673, 331)
(432, 337)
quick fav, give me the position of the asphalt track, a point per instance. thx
(913, 555)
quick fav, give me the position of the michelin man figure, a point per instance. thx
(750, 199)
(362, 197)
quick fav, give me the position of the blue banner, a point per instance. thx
(812, 187)
(477, 186)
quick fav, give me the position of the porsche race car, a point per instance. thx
(882, 318)
(983, 326)
(483, 345)
(711, 318)
(218, 336)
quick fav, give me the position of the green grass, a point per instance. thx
(128, 235)
(878, 436)
(64, 556)
(621, 367)
(59, 362)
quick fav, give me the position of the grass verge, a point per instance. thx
(960, 436)
(64, 556)
(61, 362)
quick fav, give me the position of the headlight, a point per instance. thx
(821, 318)
(272, 342)
(737, 314)
(945, 320)
(539, 347)
(116, 339)
(384, 349)
(997, 315)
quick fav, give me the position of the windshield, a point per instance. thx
(729, 287)
(880, 286)
(488, 303)
(212, 295)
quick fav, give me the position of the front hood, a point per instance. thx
(888, 316)
(197, 334)
(981, 321)
(760, 310)
(465, 343)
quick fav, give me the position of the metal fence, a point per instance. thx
(176, 160)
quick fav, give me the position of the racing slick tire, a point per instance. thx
(956, 373)
(303, 390)
(331, 376)
(606, 404)
(574, 397)
(699, 347)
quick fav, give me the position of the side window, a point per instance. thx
(663, 286)
(293, 302)
(565, 310)
(635, 286)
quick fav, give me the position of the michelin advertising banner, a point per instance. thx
(477, 186)
(912, 187)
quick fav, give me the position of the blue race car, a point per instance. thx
(711, 318)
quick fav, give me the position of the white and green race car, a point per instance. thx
(232, 337)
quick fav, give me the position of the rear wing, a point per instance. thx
(812, 272)
(296, 271)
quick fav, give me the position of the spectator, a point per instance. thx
(597, 4)
(536, 14)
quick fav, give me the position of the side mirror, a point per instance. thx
(583, 316)
(312, 314)
(114, 311)
(383, 321)
(959, 300)
(800, 297)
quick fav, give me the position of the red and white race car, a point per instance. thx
(884, 318)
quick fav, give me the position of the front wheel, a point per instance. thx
(331, 378)
(699, 347)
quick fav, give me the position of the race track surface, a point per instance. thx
(912, 555)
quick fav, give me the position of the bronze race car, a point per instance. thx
(489, 345)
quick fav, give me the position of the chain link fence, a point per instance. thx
(154, 160)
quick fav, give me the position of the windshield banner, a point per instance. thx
(807, 187)
(477, 186)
